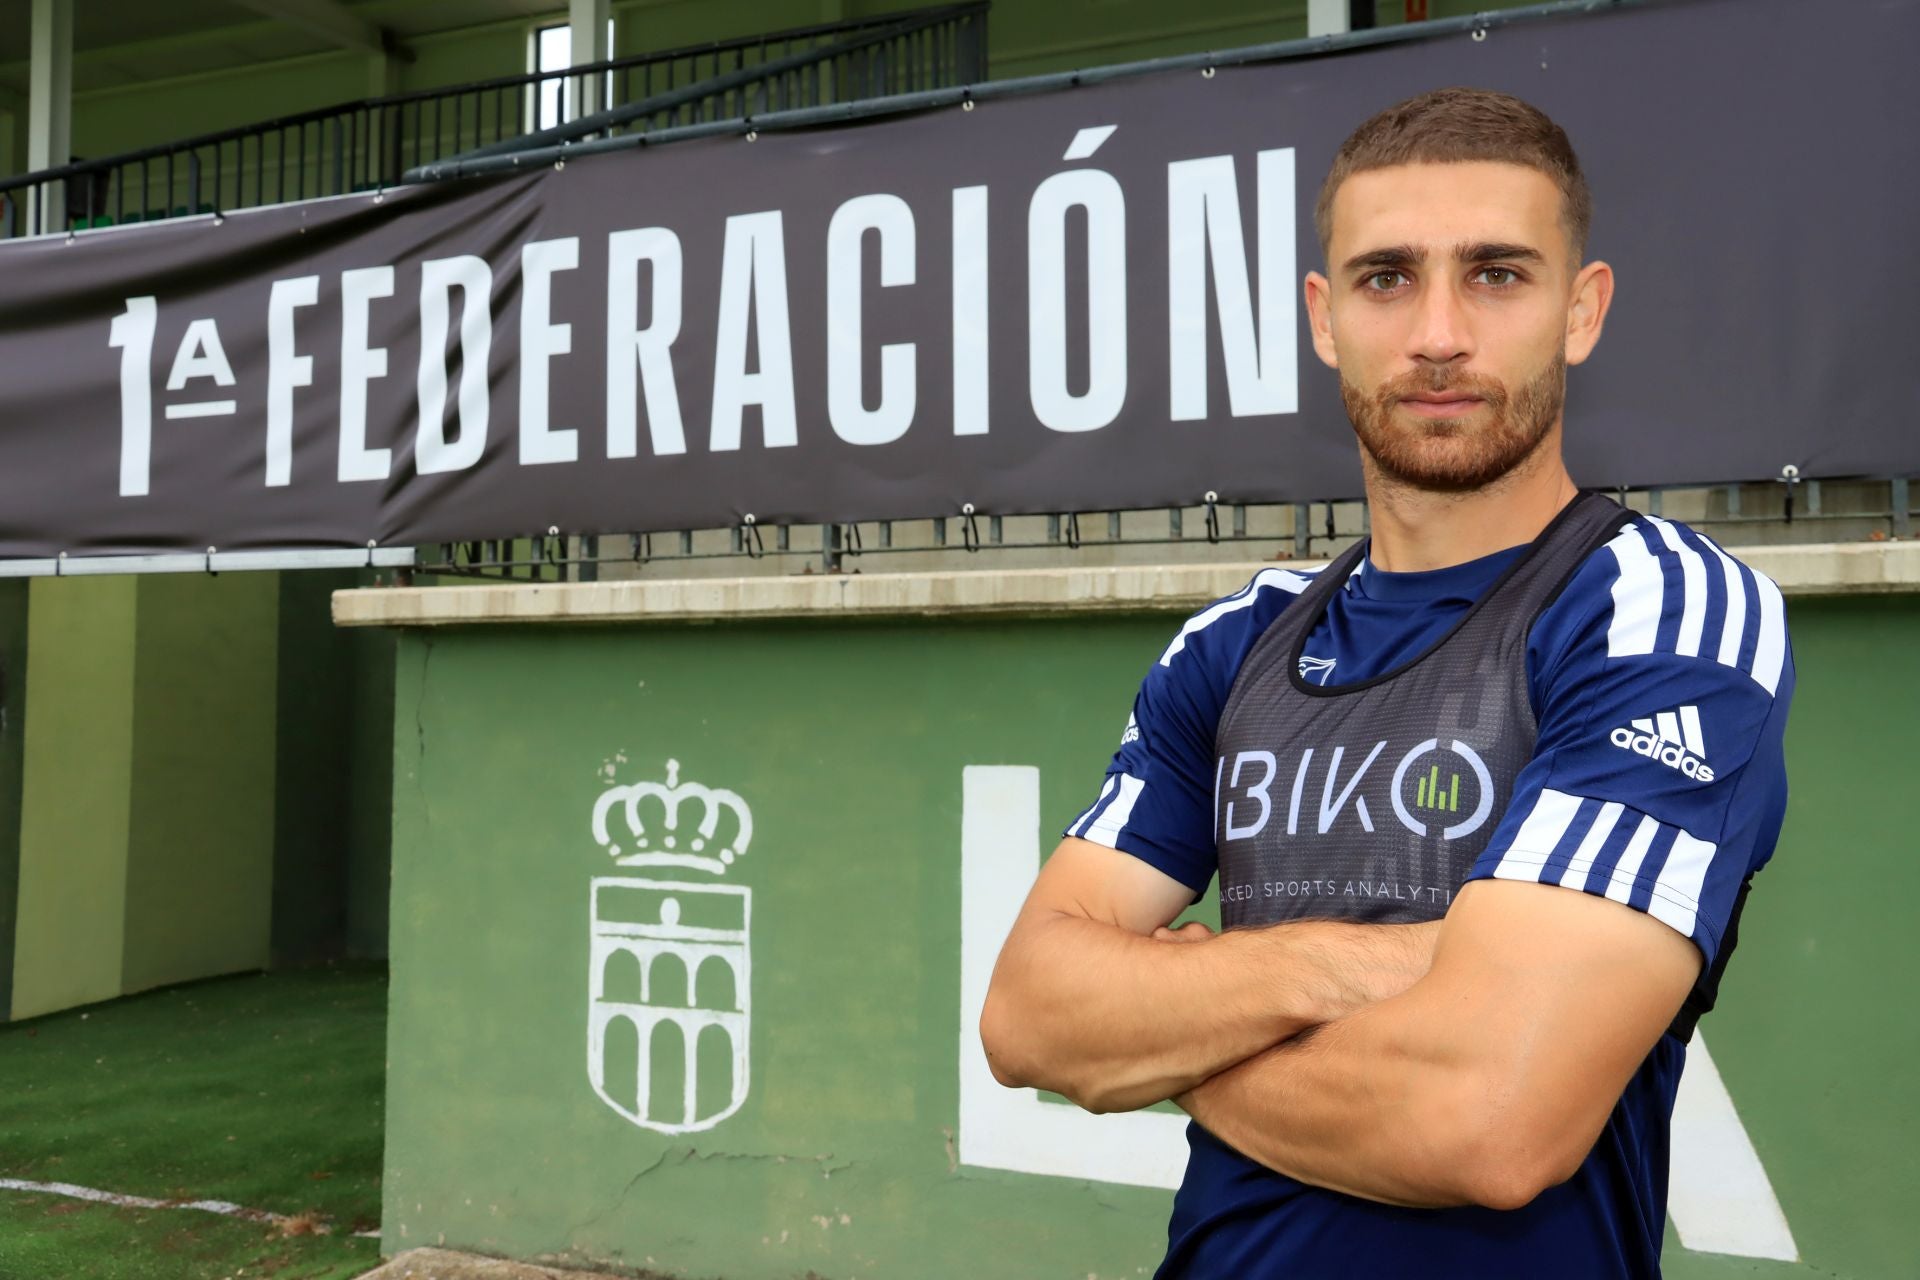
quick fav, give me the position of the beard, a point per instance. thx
(1462, 453)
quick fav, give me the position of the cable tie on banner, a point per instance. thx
(750, 540)
(753, 135)
(851, 544)
(1212, 504)
(642, 547)
(1073, 530)
(966, 99)
(1206, 72)
(60, 565)
(1790, 475)
(1479, 34)
(370, 545)
(969, 528)
(547, 544)
(211, 573)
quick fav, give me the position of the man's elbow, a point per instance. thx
(1019, 1061)
(1506, 1163)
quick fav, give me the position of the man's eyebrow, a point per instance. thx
(1399, 255)
(1493, 251)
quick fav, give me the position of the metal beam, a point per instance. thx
(332, 22)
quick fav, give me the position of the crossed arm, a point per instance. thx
(1483, 1078)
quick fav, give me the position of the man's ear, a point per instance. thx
(1320, 318)
(1587, 313)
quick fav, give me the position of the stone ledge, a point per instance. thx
(1864, 568)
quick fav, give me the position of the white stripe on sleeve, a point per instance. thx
(1770, 652)
(1735, 626)
(1281, 579)
(1548, 820)
(1079, 827)
(1693, 577)
(1582, 860)
(1638, 594)
(1627, 870)
(1107, 827)
(1676, 894)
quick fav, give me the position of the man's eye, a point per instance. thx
(1385, 281)
(1499, 277)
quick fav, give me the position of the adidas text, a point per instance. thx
(1671, 754)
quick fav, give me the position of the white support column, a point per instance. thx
(587, 20)
(50, 100)
(1327, 17)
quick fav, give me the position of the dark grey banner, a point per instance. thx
(1073, 301)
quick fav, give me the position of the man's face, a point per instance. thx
(1452, 307)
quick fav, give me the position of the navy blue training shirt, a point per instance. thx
(1660, 679)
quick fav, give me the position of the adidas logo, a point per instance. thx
(1132, 734)
(1671, 737)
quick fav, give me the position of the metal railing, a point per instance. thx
(371, 144)
(1736, 515)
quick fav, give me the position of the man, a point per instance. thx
(1484, 795)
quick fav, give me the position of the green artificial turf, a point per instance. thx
(264, 1090)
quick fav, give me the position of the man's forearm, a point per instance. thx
(1373, 1105)
(1117, 1021)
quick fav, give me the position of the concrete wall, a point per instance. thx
(903, 778)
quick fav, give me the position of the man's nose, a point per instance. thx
(1442, 332)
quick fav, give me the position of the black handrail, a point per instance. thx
(368, 143)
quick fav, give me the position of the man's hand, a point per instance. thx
(1087, 1001)
(1487, 1081)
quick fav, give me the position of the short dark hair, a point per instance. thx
(1454, 126)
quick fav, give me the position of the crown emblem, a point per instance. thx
(654, 837)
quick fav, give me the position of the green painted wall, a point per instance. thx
(13, 710)
(199, 866)
(77, 785)
(848, 742)
(194, 792)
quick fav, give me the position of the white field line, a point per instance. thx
(142, 1202)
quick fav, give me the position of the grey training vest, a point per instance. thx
(1371, 801)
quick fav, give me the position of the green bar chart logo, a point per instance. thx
(1432, 795)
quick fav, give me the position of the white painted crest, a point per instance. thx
(670, 958)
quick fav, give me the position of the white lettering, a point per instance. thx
(1330, 806)
(1095, 191)
(753, 281)
(541, 339)
(200, 356)
(132, 334)
(433, 453)
(890, 218)
(286, 371)
(642, 356)
(360, 363)
(970, 311)
(1203, 212)
(1258, 791)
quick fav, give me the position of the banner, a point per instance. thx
(1080, 300)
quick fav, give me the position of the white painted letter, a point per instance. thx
(360, 363)
(1095, 191)
(200, 356)
(753, 279)
(851, 420)
(1203, 213)
(132, 333)
(970, 311)
(472, 276)
(285, 371)
(540, 341)
(639, 357)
